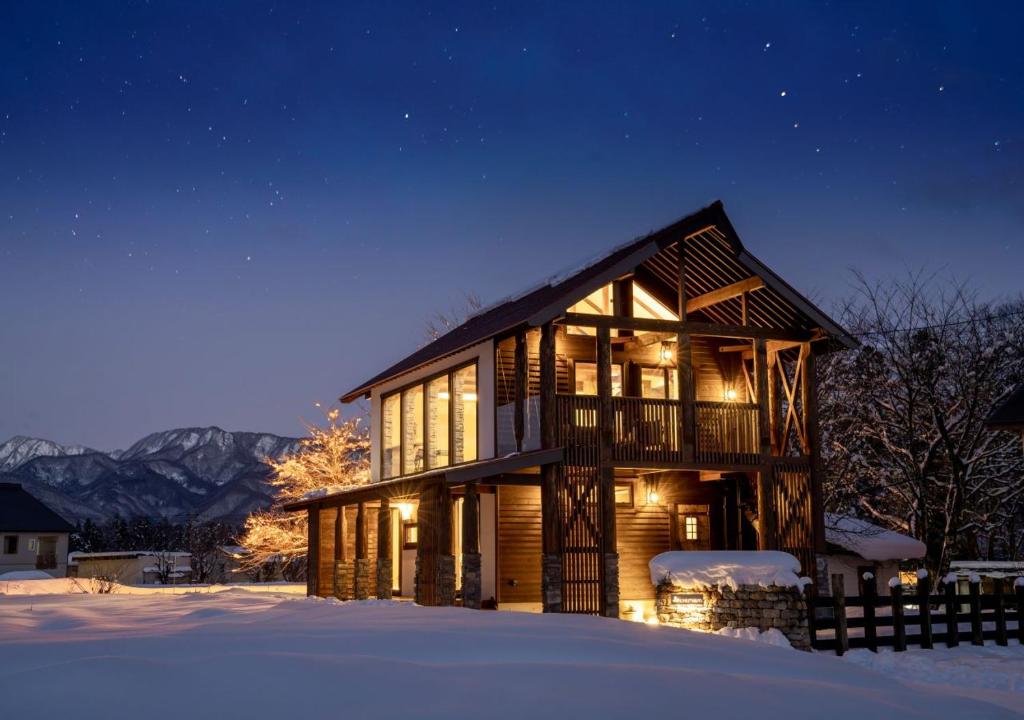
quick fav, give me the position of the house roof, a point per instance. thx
(718, 260)
(870, 541)
(1009, 415)
(21, 512)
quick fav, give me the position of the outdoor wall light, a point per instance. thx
(405, 510)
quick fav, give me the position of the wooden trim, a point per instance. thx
(312, 549)
(470, 520)
(522, 379)
(694, 328)
(360, 531)
(812, 432)
(728, 292)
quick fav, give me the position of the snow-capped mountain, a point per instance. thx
(207, 473)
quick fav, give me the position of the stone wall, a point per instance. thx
(714, 608)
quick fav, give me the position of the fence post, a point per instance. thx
(977, 637)
(1018, 589)
(924, 608)
(1000, 612)
(810, 597)
(952, 609)
(839, 613)
(870, 600)
(899, 629)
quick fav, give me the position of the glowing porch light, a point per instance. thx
(653, 497)
(405, 510)
(730, 394)
(666, 352)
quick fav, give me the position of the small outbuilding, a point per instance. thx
(32, 536)
(856, 546)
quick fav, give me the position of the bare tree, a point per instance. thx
(441, 322)
(903, 417)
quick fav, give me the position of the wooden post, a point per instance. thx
(1000, 598)
(899, 628)
(340, 571)
(811, 598)
(471, 580)
(924, 611)
(688, 397)
(681, 280)
(1018, 589)
(606, 414)
(445, 558)
(839, 613)
(977, 632)
(812, 433)
(385, 576)
(425, 592)
(551, 531)
(623, 301)
(870, 601)
(522, 380)
(766, 536)
(952, 610)
(312, 550)
(774, 409)
(361, 577)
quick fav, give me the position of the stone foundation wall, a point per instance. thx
(362, 579)
(471, 580)
(715, 608)
(384, 578)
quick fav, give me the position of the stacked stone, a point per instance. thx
(471, 587)
(551, 567)
(445, 579)
(342, 581)
(764, 608)
(384, 578)
(362, 579)
(611, 584)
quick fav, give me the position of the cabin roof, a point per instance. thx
(22, 512)
(720, 259)
(1009, 415)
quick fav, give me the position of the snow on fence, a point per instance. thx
(919, 618)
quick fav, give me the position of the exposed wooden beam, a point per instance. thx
(694, 328)
(724, 293)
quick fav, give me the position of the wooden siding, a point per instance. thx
(643, 532)
(519, 544)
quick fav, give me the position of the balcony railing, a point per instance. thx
(649, 430)
(727, 433)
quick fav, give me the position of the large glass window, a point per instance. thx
(439, 402)
(586, 379)
(390, 440)
(412, 430)
(430, 425)
(659, 383)
(465, 426)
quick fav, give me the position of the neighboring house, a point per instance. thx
(1009, 415)
(132, 567)
(856, 547)
(661, 397)
(988, 572)
(32, 536)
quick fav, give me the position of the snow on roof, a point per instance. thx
(729, 568)
(987, 568)
(122, 554)
(870, 541)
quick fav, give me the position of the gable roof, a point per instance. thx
(1009, 415)
(548, 300)
(21, 512)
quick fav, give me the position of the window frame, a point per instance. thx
(632, 494)
(667, 370)
(423, 383)
(13, 541)
(408, 525)
(622, 377)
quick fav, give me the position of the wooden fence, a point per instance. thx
(919, 618)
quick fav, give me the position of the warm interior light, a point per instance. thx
(653, 497)
(652, 620)
(666, 352)
(730, 394)
(405, 510)
(469, 397)
(443, 395)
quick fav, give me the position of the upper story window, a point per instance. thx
(431, 424)
(586, 379)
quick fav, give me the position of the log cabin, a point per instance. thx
(537, 456)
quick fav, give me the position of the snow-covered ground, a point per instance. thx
(10, 584)
(238, 654)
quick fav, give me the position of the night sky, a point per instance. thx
(221, 216)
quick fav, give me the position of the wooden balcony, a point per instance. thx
(650, 431)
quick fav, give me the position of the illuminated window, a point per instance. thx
(624, 494)
(465, 426)
(599, 302)
(659, 383)
(412, 430)
(391, 441)
(431, 424)
(586, 379)
(410, 535)
(691, 532)
(646, 306)
(439, 402)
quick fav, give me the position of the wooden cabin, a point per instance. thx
(539, 455)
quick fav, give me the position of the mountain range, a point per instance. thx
(205, 473)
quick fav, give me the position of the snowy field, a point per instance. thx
(239, 654)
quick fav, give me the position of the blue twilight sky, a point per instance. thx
(220, 213)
